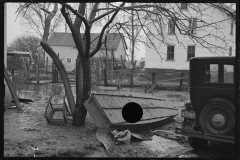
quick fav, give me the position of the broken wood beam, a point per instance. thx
(10, 86)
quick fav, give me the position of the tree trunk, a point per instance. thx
(63, 72)
(85, 90)
(79, 88)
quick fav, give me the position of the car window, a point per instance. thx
(213, 73)
(228, 74)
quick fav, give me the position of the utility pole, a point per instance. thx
(105, 68)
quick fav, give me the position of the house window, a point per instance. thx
(184, 6)
(190, 52)
(171, 27)
(230, 51)
(231, 30)
(192, 25)
(170, 52)
(69, 60)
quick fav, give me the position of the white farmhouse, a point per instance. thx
(178, 48)
(64, 45)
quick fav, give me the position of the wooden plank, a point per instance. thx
(118, 102)
(94, 116)
(10, 86)
(126, 94)
(102, 136)
(141, 136)
(115, 115)
(98, 115)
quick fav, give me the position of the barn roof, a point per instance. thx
(66, 39)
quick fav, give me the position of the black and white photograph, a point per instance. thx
(121, 79)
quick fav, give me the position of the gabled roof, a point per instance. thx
(66, 39)
(221, 6)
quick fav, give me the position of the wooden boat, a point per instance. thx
(106, 110)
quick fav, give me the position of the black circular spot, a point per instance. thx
(132, 112)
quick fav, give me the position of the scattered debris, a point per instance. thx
(13, 107)
(34, 148)
(166, 134)
(103, 136)
(122, 136)
(176, 152)
(31, 129)
(162, 146)
(144, 137)
(24, 100)
(188, 156)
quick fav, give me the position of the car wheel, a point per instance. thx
(197, 143)
(217, 117)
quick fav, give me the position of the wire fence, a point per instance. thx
(117, 74)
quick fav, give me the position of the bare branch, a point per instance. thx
(77, 14)
(45, 10)
(48, 22)
(87, 34)
(76, 35)
(103, 30)
(101, 16)
(78, 21)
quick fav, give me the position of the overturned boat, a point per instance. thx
(106, 110)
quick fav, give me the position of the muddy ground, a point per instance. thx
(29, 128)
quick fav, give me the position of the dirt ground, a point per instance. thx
(29, 128)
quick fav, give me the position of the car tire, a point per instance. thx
(217, 117)
(197, 143)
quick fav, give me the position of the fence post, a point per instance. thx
(188, 83)
(181, 81)
(37, 74)
(112, 68)
(121, 72)
(58, 77)
(97, 71)
(37, 70)
(153, 78)
(53, 72)
(47, 65)
(105, 73)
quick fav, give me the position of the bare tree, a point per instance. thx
(88, 14)
(33, 17)
(24, 43)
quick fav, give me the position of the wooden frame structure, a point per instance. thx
(55, 113)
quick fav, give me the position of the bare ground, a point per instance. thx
(23, 130)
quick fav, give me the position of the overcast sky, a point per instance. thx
(14, 29)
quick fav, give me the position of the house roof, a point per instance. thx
(66, 39)
(18, 53)
(230, 9)
(220, 6)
